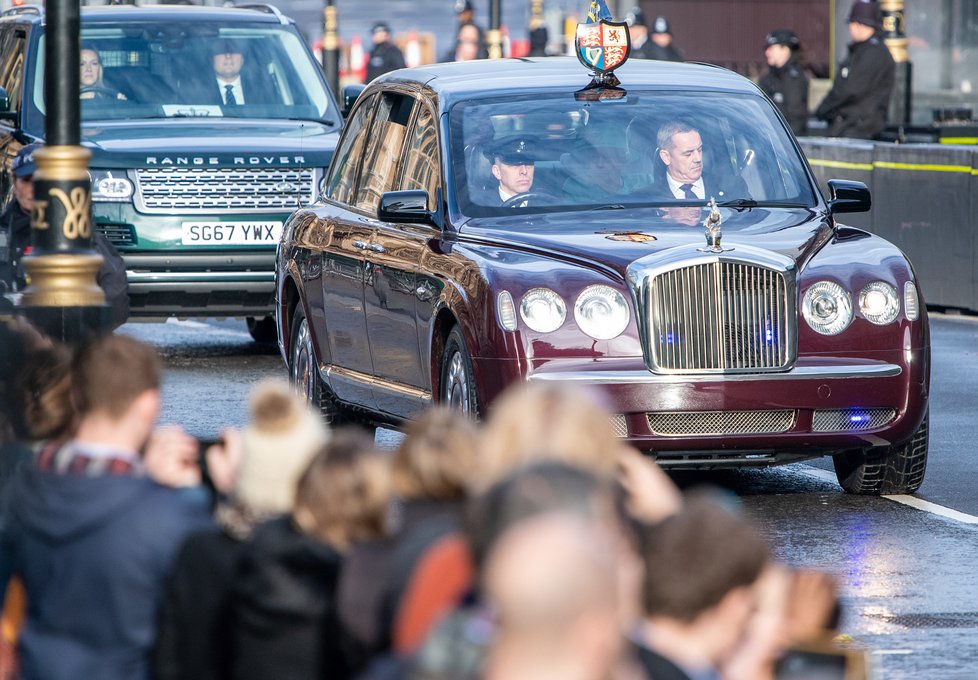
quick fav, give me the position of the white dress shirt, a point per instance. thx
(235, 88)
(675, 187)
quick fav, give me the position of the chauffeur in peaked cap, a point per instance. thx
(785, 82)
(857, 103)
(512, 165)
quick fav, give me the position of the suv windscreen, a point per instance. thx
(569, 154)
(140, 70)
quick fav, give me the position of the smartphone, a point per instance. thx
(823, 662)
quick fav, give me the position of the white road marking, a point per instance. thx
(892, 651)
(934, 508)
(911, 501)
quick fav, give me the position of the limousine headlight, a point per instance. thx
(827, 308)
(878, 302)
(543, 310)
(601, 312)
(110, 185)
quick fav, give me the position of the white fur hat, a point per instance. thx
(283, 436)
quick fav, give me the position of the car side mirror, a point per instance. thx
(846, 196)
(406, 207)
(350, 94)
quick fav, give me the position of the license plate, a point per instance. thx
(231, 233)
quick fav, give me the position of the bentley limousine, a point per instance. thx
(655, 233)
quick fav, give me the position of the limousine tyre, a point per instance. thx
(457, 378)
(262, 330)
(897, 469)
(304, 374)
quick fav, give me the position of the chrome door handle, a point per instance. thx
(360, 245)
(377, 248)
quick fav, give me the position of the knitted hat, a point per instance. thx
(283, 436)
(866, 12)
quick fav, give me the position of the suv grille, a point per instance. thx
(209, 190)
(721, 316)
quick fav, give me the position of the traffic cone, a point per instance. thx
(412, 50)
(358, 60)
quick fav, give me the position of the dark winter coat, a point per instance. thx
(384, 57)
(194, 630)
(15, 238)
(667, 53)
(787, 86)
(284, 621)
(93, 552)
(857, 103)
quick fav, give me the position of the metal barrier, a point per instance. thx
(925, 199)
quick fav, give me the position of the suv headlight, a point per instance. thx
(543, 310)
(878, 302)
(601, 312)
(827, 308)
(110, 185)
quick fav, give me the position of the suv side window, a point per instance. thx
(383, 159)
(421, 169)
(13, 47)
(346, 163)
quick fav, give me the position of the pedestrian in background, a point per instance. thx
(385, 55)
(785, 82)
(284, 621)
(539, 37)
(90, 532)
(258, 482)
(856, 105)
(662, 46)
(638, 34)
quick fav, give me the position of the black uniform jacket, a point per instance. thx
(383, 58)
(787, 87)
(857, 103)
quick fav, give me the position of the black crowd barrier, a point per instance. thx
(925, 201)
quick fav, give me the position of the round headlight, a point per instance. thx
(827, 308)
(878, 302)
(543, 310)
(601, 312)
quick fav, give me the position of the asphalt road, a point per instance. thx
(907, 574)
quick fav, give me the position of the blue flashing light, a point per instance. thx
(858, 418)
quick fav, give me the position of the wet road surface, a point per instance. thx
(910, 591)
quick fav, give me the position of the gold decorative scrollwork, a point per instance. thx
(77, 223)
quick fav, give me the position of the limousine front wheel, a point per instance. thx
(897, 469)
(457, 379)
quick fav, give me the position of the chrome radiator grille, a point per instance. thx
(689, 423)
(721, 316)
(208, 190)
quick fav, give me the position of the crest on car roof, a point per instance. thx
(602, 44)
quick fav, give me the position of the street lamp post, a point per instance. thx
(331, 46)
(63, 298)
(895, 37)
(494, 37)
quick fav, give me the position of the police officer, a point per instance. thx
(785, 83)
(385, 56)
(638, 34)
(15, 222)
(857, 103)
(662, 46)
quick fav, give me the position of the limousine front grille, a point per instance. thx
(216, 190)
(721, 316)
(693, 423)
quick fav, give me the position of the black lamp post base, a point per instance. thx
(72, 326)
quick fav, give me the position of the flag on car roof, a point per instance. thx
(598, 11)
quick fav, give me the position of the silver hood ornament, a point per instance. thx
(713, 233)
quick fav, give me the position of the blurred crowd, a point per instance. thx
(531, 544)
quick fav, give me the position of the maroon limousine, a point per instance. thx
(657, 235)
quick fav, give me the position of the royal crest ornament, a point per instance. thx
(603, 45)
(713, 232)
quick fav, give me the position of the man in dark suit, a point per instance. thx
(233, 84)
(680, 148)
(699, 590)
(512, 166)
